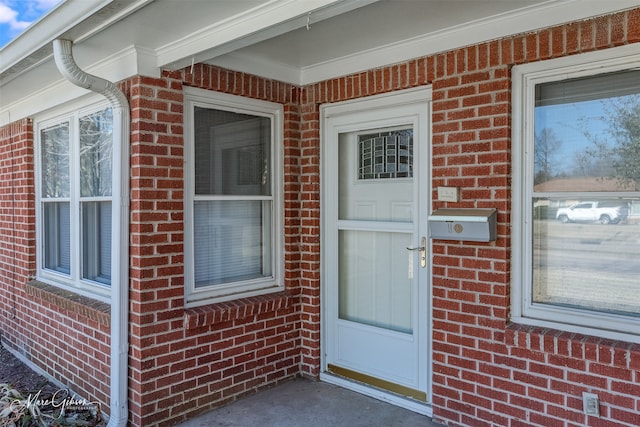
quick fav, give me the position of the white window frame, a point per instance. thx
(523, 309)
(194, 97)
(73, 282)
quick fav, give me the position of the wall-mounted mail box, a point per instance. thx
(478, 225)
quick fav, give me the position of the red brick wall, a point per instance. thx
(17, 231)
(185, 361)
(68, 336)
(486, 371)
(17, 224)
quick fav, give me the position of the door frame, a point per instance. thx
(415, 96)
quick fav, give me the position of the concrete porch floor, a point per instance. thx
(305, 403)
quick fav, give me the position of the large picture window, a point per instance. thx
(577, 195)
(233, 212)
(74, 196)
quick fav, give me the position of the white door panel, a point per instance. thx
(353, 339)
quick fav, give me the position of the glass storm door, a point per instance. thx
(376, 254)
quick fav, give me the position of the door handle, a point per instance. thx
(423, 251)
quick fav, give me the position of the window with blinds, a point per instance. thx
(232, 203)
(577, 194)
(232, 198)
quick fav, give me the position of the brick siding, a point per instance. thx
(485, 371)
(69, 341)
(185, 361)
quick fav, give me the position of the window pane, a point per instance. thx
(587, 134)
(232, 241)
(96, 241)
(375, 293)
(585, 254)
(96, 143)
(55, 161)
(232, 153)
(57, 237)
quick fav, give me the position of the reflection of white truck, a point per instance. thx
(609, 212)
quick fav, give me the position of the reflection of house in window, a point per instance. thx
(386, 154)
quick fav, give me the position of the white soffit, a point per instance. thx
(338, 46)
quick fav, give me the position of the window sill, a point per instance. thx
(69, 302)
(242, 308)
(568, 345)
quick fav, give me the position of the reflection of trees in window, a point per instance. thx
(624, 126)
(55, 161)
(595, 159)
(612, 153)
(618, 155)
(598, 120)
(96, 140)
(593, 162)
(545, 155)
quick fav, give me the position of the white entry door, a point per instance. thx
(375, 249)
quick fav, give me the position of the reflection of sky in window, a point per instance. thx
(571, 122)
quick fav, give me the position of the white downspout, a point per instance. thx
(62, 52)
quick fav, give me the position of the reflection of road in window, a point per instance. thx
(587, 265)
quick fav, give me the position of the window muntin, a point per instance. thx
(75, 159)
(233, 208)
(580, 201)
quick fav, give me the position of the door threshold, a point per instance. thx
(398, 389)
(392, 398)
